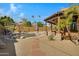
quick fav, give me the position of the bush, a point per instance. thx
(51, 37)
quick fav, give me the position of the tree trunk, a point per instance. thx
(69, 34)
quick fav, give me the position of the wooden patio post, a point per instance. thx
(51, 27)
(58, 23)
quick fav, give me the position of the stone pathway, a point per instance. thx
(36, 51)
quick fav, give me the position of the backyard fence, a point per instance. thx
(31, 29)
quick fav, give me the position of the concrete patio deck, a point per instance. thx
(41, 46)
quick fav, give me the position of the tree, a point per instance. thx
(6, 22)
(24, 22)
(27, 23)
(39, 24)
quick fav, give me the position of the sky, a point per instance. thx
(19, 10)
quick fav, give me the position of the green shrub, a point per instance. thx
(51, 37)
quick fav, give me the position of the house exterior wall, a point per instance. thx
(78, 23)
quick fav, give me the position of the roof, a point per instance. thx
(52, 19)
(54, 15)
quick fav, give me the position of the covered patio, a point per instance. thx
(55, 19)
(63, 34)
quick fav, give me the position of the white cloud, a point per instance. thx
(1, 11)
(13, 8)
(21, 15)
(8, 13)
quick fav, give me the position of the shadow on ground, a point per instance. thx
(9, 49)
(9, 40)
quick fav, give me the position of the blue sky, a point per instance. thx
(19, 10)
